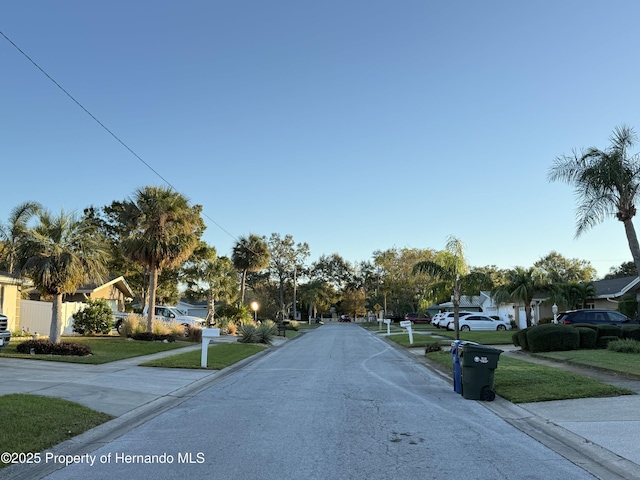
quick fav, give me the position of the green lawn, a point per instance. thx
(628, 363)
(485, 338)
(218, 356)
(104, 349)
(520, 381)
(32, 423)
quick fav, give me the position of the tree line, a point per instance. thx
(154, 241)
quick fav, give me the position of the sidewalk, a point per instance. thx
(115, 388)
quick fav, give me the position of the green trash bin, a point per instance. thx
(478, 364)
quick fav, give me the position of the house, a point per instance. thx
(198, 309)
(10, 295)
(609, 292)
(505, 311)
(36, 315)
(116, 291)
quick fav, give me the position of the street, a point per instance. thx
(336, 403)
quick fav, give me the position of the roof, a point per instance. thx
(466, 301)
(616, 287)
(119, 282)
(11, 279)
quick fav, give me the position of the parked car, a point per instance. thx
(478, 321)
(417, 318)
(5, 333)
(448, 318)
(595, 317)
(436, 318)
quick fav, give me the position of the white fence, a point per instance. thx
(35, 317)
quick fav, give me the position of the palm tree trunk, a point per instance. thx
(632, 238)
(211, 308)
(242, 284)
(56, 319)
(153, 284)
(634, 246)
(456, 307)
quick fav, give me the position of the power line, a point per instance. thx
(105, 127)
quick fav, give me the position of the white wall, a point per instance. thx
(35, 316)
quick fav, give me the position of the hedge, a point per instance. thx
(551, 338)
(45, 347)
(609, 331)
(588, 337)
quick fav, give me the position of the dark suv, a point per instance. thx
(595, 317)
(417, 318)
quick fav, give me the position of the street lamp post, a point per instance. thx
(254, 307)
(554, 309)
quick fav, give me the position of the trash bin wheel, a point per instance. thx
(488, 395)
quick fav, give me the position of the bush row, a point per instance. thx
(45, 347)
(552, 337)
(154, 337)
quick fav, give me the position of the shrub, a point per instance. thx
(515, 340)
(226, 325)
(248, 332)
(266, 331)
(609, 331)
(603, 342)
(194, 334)
(624, 346)
(133, 324)
(522, 338)
(432, 347)
(631, 331)
(552, 337)
(588, 337)
(154, 337)
(293, 325)
(96, 317)
(232, 329)
(45, 347)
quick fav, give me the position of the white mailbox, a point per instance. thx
(407, 324)
(207, 335)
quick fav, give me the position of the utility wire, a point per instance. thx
(104, 126)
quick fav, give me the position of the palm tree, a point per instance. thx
(165, 230)
(250, 254)
(522, 284)
(606, 183)
(574, 294)
(450, 272)
(60, 254)
(211, 277)
(15, 230)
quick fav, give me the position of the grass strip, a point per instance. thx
(519, 381)
(628, 363)
(33, 423)
(104, 349)
(218, 356)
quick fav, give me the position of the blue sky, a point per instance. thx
(354, 126)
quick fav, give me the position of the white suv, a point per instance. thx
(448, 318)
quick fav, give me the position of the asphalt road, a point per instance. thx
(337, 403)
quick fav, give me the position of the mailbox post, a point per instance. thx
(207, 335)
(388, 322)
(407, 324)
